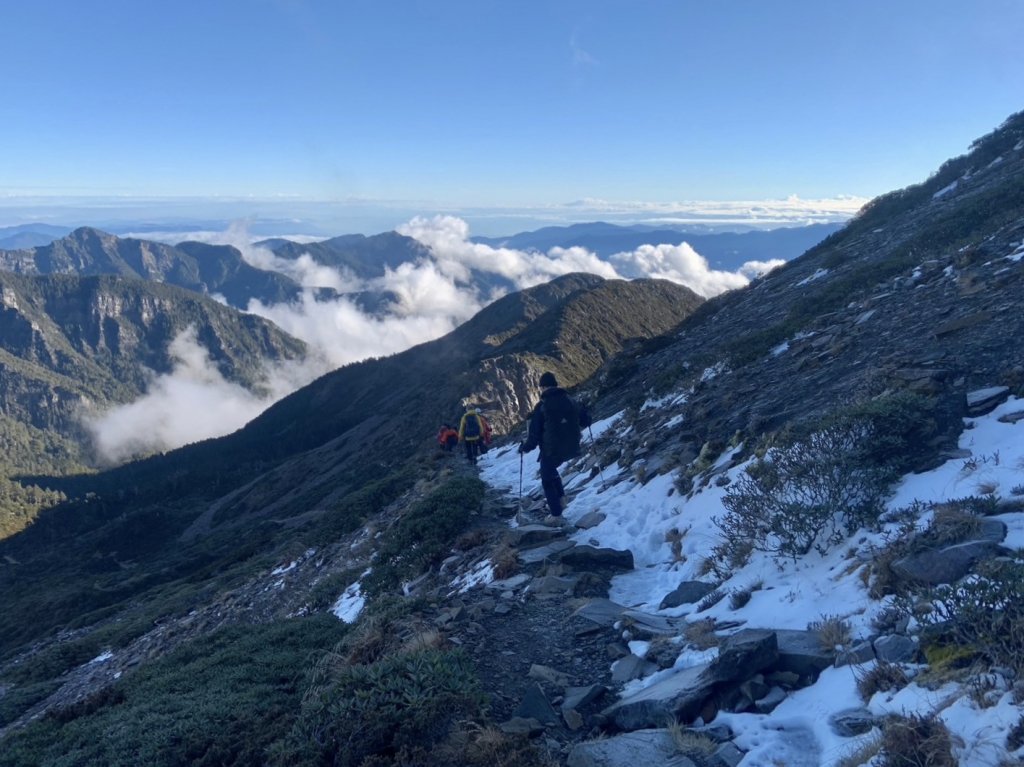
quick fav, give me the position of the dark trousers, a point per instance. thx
(552, 484)
(472, 449)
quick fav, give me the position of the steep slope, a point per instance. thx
(209, 269)
(71, 345)
(889, 326)
(920, 292)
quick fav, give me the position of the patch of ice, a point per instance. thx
(816, 276)
(284, 568)
(482, 574)
(350, 603)
(946, 190)
(780, 349)
(103, 657)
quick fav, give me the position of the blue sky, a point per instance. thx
(452, 105)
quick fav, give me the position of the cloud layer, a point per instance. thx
(426, 299)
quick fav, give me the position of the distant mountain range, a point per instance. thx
(726, 251)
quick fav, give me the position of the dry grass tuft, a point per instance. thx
(916, 741)
(833, 631)
(701, 634)
(882, 677)
(506, 562)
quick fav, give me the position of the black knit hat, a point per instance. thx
(548, 379)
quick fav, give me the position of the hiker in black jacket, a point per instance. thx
(555, 426)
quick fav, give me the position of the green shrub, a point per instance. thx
(424, 535)
(220, 700)
(985, 612)
(808, 494)
(396, 708)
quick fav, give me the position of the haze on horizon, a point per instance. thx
(360, 116)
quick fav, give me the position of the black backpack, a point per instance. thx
(561, 427)
(471, 428)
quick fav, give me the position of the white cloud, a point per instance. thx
(191, 403)
(680, 264)
(429, 298)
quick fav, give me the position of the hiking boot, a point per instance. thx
(554, 520)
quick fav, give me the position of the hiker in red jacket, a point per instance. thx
(447, 438)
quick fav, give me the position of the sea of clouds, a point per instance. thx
(432, 296)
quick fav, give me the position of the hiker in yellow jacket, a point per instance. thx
(471, 432)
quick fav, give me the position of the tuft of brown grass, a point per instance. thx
(470, 540)
(916, 741)
(882, 677)
(862, 753)
(833, 631)
(506, 562)
(701, 634)
(696, 746)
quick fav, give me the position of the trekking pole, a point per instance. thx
(594, 444)
(519, 506)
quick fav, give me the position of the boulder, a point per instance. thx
(533, 535)
(895, 648)
(580, 697)
(855, 654)
(592, 558)
(982, 401)
(683, 694)
(687, 592)
(590, 519)
(539, 554)
(852, 722)
(802, 653)
(535, 705)
(646, 747)
(554, 584)
(631, 667)
(944, 565)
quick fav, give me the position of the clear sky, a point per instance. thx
(487, 103)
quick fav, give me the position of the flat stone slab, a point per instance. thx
(679, 696)
(607, 613)
(687, 592)
(802, 653)
(981, 401)
(509, 584)
(946, 565)
(590, 519)
(533, 534)
(539, 554)
(645, 748)
(593, 558)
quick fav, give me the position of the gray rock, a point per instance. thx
(653, 625)
(743, 654)
(573, 719)
(1017, 415)
(539, 554)
(592, 558)
(802, 653)
(683, 694)
(554, 584)
(590, 519)
(549, 675)
(532, 535)
(754, 688)
(770, 702)
(535, 705)
(603, 612)
(631, 667)
(894, 648)
(517, 725)
(981, 401)
(502, 608)
(852, 722)
(579, 697)
(508, 584)
(678, 696)
(991, 530)
(726, 755)
(687, 592)
(856, 654)
(945, 565)
(646, 747)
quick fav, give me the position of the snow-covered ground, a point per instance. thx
(790, 594)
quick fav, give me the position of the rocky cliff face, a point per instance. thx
(209, 269)
(72, 344)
